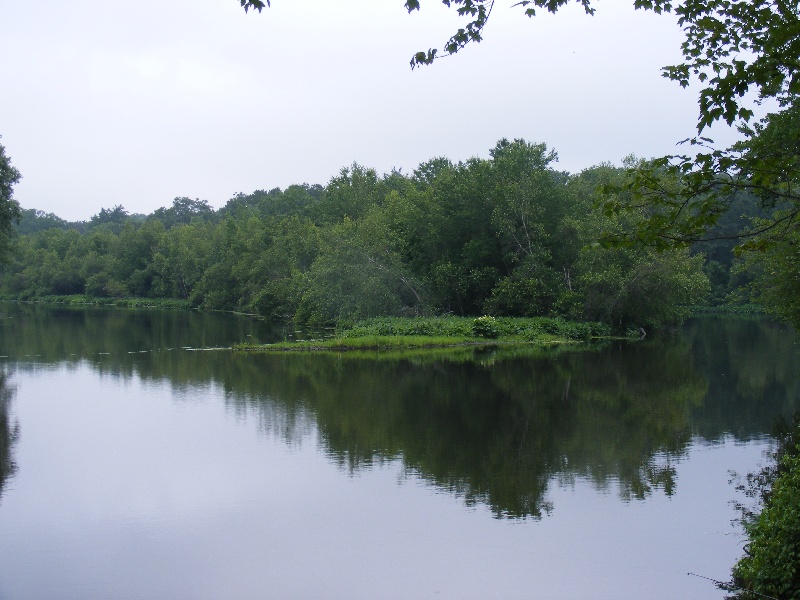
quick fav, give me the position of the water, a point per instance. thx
(135, 465)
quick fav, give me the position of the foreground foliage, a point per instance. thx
(771, 565)
(9, 207)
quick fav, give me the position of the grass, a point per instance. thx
(519, 328)
(367, 342)
(385, 334)
(83, 300)
(729, 309)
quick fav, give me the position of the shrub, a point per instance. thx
(485, 327)
(771, 565)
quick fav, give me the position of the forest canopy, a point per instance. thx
(509, 235)
(9, 208)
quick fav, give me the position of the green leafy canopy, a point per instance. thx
(9, 208)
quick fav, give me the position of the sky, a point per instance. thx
(136, 103)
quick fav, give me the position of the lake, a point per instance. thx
(139, 459)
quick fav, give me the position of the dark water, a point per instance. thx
(136, 462)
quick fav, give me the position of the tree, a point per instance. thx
(113, 218)
(256, 4)
(687, 195)
(359, 273)
(628, 284)
(734, 49)
(32, 220)
(776, 278)
(9, 208)
(183, 210)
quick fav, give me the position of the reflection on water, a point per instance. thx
(752, 369)
(9, 431)
(493, 427)
(359, 467)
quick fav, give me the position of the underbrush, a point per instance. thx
(81, 299)
(511, 328)
(729, 309)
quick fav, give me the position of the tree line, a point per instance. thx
(508, 236)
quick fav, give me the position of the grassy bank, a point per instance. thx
(729, 309)
(443, 332)
(83, 300)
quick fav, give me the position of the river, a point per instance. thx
(140, 459)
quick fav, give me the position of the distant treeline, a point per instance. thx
(504, 236)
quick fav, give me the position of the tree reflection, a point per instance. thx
(498, 433)
(495, 427)
(9, 432)
(752, 366)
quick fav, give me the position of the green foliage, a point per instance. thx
(183, 211)
(776, 281)
(523, 329)
(112, 218)
(32, 220)
(737, 51)
(771, 564)
(485, 327)
(688, 197)
(631, 285)
(519, 297)
(398, 327)
(507, 236)
(357, 274)
(370, 342)
(86, 299)
(729, 309)
(476, 10)
(9, 208)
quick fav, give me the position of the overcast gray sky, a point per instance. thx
(135, 103)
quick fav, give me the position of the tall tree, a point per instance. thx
(9, 208)
(738, 51)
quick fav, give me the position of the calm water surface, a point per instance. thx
(137, 463)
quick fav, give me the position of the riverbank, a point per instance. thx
(729, 309)
(84, 300)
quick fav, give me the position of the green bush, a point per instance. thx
(485, 327)
(529, 329)
(771, 565)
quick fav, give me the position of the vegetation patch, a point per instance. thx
(730, 309)
(82, 299)
(443, 332)
(770, 567)
(368, 342)
(509, 236)
(528, 329)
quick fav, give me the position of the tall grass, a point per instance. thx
(510, 328)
